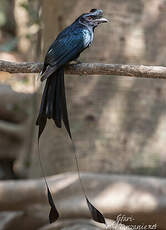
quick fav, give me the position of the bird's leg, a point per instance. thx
(77, 61)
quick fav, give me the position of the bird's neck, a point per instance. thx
(90, 28)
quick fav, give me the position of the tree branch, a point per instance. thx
(140, 71)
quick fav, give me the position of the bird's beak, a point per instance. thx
(101, 20)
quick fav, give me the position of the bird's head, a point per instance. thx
(93, 18)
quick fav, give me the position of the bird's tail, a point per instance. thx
(52, 101)
(53, 106)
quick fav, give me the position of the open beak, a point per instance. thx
(98, 15)
(101, 20)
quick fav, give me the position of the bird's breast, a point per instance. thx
(87, 37)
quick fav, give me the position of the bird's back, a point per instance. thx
(68, 45)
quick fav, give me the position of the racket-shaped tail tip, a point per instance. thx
(96, 214)
(53, 215)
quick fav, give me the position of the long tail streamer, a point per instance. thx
(53, 105)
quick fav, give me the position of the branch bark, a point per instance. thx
(140, 71)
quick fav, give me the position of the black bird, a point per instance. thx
(67, 47)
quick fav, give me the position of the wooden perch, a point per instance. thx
(140, 71)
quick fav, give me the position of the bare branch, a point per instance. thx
(20, 67)
(140, 71)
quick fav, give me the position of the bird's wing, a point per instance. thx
(65, 49)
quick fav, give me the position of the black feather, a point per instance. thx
(53, 215)
(96, 215)
(57, 105)
(64, 105)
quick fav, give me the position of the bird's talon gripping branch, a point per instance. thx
(78, 62)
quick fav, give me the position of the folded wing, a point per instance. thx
(64, 49)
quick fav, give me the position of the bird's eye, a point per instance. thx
(89, 18)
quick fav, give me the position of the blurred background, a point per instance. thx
(118, 123)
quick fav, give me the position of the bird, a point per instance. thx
(68, 46)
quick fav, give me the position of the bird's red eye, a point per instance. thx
(89, 17)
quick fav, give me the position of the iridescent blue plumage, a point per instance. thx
(67, 47)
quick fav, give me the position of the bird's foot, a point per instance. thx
(77, 62)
